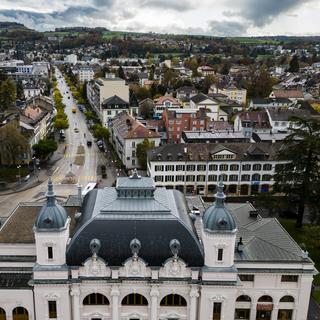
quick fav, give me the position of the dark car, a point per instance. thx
(89, 143)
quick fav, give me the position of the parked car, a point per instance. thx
(89, 143)
(76, 130)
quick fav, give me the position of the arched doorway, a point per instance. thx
(286, 307)
(264, 308)
(173, 306)
(20, 313)
(243, 307)
(2, 314)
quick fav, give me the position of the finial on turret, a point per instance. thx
(220, 195)
(135, 246)
(175, 248)
(135, 174)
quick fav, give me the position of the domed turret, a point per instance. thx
(52, 216)
(217, 218)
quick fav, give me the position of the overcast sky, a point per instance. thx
(213, 17)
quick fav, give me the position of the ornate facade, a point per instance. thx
(136, 252)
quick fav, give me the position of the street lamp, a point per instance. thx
(36, 163)
(19, 167)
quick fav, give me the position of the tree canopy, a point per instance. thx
(44, 148)
(142, 149)
(299, 175)
(8, 94)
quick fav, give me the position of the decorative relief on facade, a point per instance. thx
(94, 266)
(135, 266)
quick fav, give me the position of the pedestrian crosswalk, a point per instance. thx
(80, 179)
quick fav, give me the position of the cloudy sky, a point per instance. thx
(213, 17)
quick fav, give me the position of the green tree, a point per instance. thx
(44, 148)
(101, 132)
(294, 64)
(260, 83)
(142, 149)
(299, 177)
(61, 123)
(12, 144)
(8, 94)
(121, 73)
(20, 92)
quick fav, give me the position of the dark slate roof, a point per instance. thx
(114, 100)
(200, 97)
(15, 280)
(52, 215)
(116, 221)
(245, 151)
(217, 217)
(286, 114)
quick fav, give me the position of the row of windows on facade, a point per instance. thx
(171, 300)
(214, 167)
(212, 177)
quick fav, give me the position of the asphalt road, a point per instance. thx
(84, 174)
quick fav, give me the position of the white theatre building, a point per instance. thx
(135, 252)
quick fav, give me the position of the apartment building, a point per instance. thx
(165, 102)
(245, 168)
(109, 96)
(177, 121)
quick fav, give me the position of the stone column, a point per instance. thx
(75, 293)
(253, 310)
(115, 302)
(274, 315)
(194, 294)
(154, 293)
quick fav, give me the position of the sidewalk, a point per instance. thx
(35, 178)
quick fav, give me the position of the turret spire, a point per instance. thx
(51, 197)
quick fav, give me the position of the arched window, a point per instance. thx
(20, 313)
(173, 300)
(134, 299)
(243, 298)
(95, 299)
(287, 299)
(265, 299)
(2, 314)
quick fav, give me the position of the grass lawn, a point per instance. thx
(308, 237)
(9, 174)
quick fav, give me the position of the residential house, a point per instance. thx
(186, 92)
(202, 101)
(239, 95)
(292, 94)
(206, 71)
(165, 102)
(260, 103)
(125, 134)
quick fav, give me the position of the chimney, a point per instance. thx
(240, 245)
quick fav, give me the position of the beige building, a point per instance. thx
(234, 93)
(100, 90)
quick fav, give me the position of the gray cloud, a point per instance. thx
(263, 12)
(48, 21)
(182, 5)
(227, 28)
